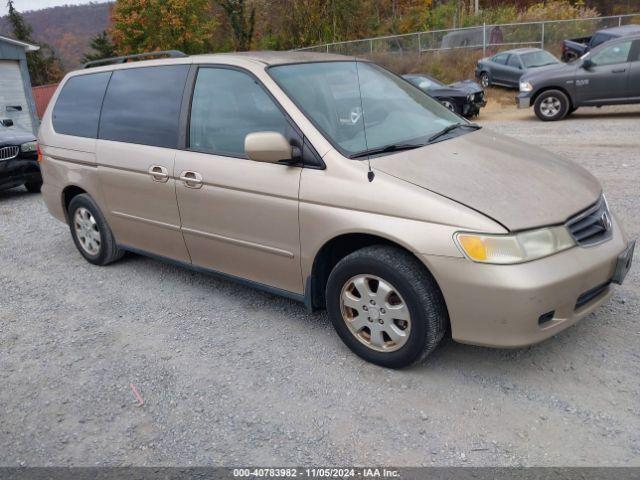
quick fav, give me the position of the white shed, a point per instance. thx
(16, 98)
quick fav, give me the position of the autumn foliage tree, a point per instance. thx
(150, 25)
(101, 46)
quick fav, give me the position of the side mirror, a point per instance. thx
(587, 63)
(269, 147)
(7, 122)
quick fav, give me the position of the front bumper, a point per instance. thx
(523, 99)
(517, 305)
(19, 171)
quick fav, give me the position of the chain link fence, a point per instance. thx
(486, 38)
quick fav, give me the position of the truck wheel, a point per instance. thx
(485, 80)
(551, 105)
(91, 233)
(385, 306)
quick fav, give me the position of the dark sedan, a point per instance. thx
(18, 159)
(465, 98)
(506, 68)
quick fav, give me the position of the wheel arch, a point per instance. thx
(335, 249)
(68, 193)
(534, 97)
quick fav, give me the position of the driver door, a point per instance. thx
(239, 217)
(606, 80)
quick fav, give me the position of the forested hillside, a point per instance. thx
(68, 29)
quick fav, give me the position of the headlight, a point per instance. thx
(28, 147)
(525, 87)
(470, 97)
(516, 248)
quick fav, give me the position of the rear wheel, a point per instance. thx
(551, 105)
(385, 306)
(91, 233)
(33, 187)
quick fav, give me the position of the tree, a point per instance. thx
(241, 22)
(102, 47)
(140, 26)
(44, 66)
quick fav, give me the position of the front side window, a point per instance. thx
(359, 106)
(77, 110)
(538, 59)
(142, 105)
(618, 53)
(228, 105)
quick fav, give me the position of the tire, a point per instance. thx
(571, 110)
(552, 105)
(485, 80)
(414, 291)
(33, 187)
(85, 218)
(450, 104)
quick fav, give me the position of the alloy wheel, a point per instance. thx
(375, 313)
(87, 231)
(550, 106)
(449, 105)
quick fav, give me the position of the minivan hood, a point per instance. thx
(516, 184)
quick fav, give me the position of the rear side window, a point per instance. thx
(500, 58)
(227, 106)
(77, 110)
(514, 61)
(142, 105)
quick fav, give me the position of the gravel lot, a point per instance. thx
(232, 376)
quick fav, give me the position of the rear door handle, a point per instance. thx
(619, 70)
(159, 173)
(191, 179)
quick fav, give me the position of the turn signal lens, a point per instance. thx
(517, 248)
(39, 153)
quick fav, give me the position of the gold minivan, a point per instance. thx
(330, 180)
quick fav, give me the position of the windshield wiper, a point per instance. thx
(394, 147)
(451, 128)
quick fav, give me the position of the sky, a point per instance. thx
(23, 5)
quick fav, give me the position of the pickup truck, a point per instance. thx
(577, 47)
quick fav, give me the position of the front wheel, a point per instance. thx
(485, 81)
(551, 105)
(450, 104)
(385, 306)
(91, 233)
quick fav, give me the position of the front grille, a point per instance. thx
(7, 153)
(592, 226)
(592, 294)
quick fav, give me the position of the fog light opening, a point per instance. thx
(546, 318)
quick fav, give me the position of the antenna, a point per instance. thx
(370, 174)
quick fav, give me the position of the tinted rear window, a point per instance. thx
(77, 110)
(142, 105)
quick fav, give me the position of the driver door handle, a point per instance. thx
(158, 173)
(191, 179)
(619, 70)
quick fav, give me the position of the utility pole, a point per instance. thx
(477, 6)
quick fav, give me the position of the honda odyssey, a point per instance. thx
(334, 182)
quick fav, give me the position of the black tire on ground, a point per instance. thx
(552, 105)
(108, 251)
(426, 305)
(450, 104)
(571, 110)
(33, 187)
(485, 80)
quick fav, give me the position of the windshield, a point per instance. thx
(425, 83)
(359, 106)
(538, 59)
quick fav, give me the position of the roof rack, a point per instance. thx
(137, 56)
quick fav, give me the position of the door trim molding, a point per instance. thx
(242, 243)
(148, 221)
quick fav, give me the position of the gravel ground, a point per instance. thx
(232, 376)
